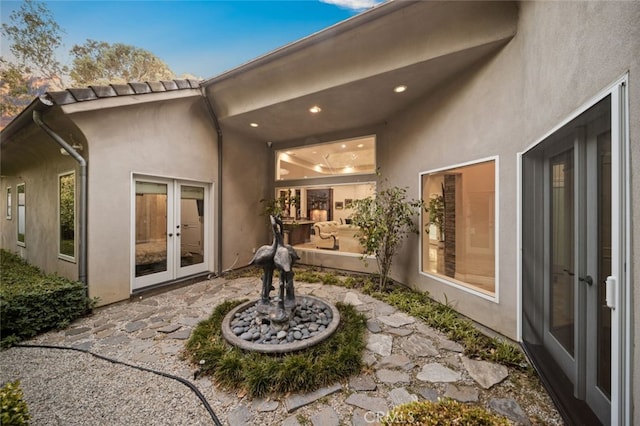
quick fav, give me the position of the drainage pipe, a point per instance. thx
(216, 124)
(82, 251)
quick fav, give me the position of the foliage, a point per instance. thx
(13, 409)
(383, 222)
(336, 358)
(444, 412)
(67, 214)
(32, 302)
(436, 214)
(33, 37)
(100, 63)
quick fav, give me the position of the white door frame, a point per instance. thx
(174, 269)
(618, 288)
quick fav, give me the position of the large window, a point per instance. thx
(67, 208)
(22, 214)
(315, 189)
(458, 244)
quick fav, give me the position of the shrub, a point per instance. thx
(32, 302)
(442, 413)
(337, 357)
(13, 409)
(383, 222)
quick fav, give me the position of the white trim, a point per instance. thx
(466, 287)
(519, 247)
(8, 206)
(62, 256)
(18, 242)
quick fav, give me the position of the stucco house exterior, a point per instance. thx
(515, 122)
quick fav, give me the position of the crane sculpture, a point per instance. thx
(279, 256)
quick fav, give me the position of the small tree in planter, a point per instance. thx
(383, 222)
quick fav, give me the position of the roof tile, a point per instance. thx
(62, 97)
(83, 94)
(123, 89)
(140, 88)
(170, 84)
(104, 91)
(156, 86)
(182, 84)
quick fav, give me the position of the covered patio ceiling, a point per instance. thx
(350, 70)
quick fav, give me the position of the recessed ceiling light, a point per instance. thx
(343, 146)
(400, 89)
(315, 109)
(253, 124)
(360, 145)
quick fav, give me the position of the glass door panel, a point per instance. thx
(152, 242)
(190, 229)
(604, 263)
(562, 250)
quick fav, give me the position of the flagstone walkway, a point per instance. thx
(406, 360)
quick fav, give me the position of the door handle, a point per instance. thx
(586, 279)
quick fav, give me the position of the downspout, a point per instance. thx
(82, 252)
(216, 124)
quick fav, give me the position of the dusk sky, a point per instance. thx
(202, 38)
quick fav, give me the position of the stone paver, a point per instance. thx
(435, 373)
(485, 373)
(380, 344)
(404, 359)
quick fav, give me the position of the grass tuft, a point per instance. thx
(334, 359)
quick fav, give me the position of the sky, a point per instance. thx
(200, 38)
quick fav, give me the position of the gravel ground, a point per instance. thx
(72, 388)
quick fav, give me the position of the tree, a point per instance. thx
(96, 63)
(34, 37)
(384, 221)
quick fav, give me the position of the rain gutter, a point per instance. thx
(216, 124)
(82, 252)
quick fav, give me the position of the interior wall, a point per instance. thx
(562, 55)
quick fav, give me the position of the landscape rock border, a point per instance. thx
(295, 346)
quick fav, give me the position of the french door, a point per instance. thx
(171, 230)
(578, 208)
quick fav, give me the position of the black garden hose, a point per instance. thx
(148, 370)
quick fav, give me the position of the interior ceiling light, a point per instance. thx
(315, 109)
(360, 145)
(343, 146)
(253, 124)
(400, 89)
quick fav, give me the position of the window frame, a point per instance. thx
(24, 235)
(8, 204)
(61, 255)
(452, 282)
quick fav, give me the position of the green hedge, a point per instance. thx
(13, 409)
(32, 302)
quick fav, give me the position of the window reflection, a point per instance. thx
(459, 225)
(67, 185)
(346, 157)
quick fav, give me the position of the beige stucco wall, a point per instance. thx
(39, 173)
(246, 180)
(170, 139)
(562, 56)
